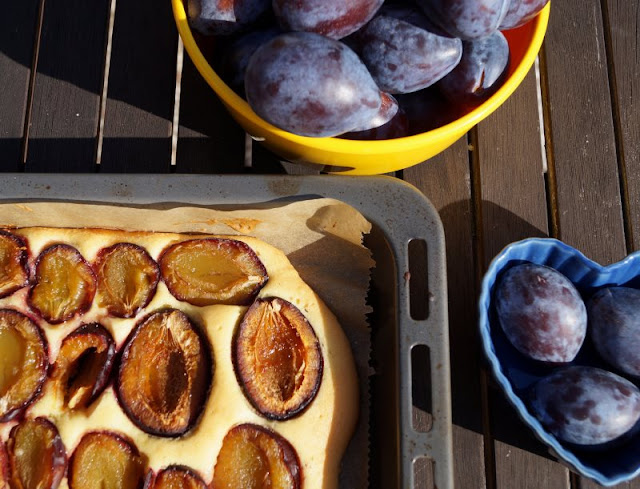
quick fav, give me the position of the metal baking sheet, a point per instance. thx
(400, 214)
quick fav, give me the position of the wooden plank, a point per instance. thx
(141, 89)
(209, 140)
(68, 85)
(623, 28)
(18, 30)
(513, 206)
(582, 133)
(585, 161)
(445, 180)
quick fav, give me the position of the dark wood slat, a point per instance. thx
(209, 140)
(18, 29)
(445, 180)
(141, 90)
(68, 85)
(514, 206)
(265, 161)
(624, 32)
(584, 153)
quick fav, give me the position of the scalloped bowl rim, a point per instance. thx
(484, 303)
(354, 147)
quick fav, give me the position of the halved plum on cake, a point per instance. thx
(255, 457)
(106, 460)
(83, 365)
(64, 284)
(277, 358)
(127, 279)
(13, 263)
(176, 477)
(36, 455)
(165, 373)
(24, 365)
(210, 271)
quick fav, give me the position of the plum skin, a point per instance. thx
(466, 19)
(402, 54)
(586, 406)
(219, 17)
(331, 18)
(614, 325)
(541, 313)
(311, 85)
(480, 73)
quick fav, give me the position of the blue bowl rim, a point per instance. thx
(541, 433)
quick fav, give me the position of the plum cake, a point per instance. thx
(159, 360)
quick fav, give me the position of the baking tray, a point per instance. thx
(410, 421)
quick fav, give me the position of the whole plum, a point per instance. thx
(520, 12)
(586, 405)
(614, 322)
(221, 17)
(402, 54)
(480, 72)
(466, 19)
(311, 85)
(332, 18)
(541, 313)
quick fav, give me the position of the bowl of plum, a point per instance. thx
(361, 86)
(562, 337)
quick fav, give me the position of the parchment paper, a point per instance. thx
(321, 237)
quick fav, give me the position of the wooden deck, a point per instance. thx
(104, 86)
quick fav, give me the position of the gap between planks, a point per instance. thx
(32, 82)
(105, 81)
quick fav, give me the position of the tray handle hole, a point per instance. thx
(418, 280)
(422, 419)
(423, 473)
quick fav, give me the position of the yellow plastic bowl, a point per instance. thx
(368, 157)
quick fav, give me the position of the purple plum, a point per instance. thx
(402, 54)
(466, 19)
(614, 323)
(541, 313)
(480, 73)
(311, 85)
(586, 405)
(520, 12)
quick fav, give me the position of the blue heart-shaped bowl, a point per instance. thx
(515, 374)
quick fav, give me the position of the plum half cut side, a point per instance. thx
(4, 467)
(127, 279)
(13, 263)
(277, 358)
(210, 271)
(177, 477)
(164, 374)
(254, 456)
(24, 365)
(83, 366)
(37, 457)
(105, 459)
(64, 284)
